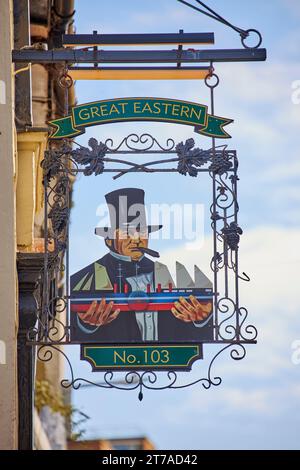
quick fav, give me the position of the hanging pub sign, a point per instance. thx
(124, 309)
(126, 298)
(140, 109)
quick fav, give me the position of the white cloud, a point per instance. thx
(293, 6)
(271, 257)
(288, 169)
(261, 82)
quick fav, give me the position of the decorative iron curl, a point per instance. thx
(58, 191)
(147, 141)
(225, 329)
(45, 354)
(58, 332)
(238, 352)
(226, 197)
(247, 332)
(49, 328)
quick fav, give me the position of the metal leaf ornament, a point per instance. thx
(190, 158)
(91, 159)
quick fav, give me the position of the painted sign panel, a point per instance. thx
(140, 109)
(126, 298)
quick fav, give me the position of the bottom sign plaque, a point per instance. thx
(141, 356)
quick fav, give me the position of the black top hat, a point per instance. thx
(127, 211)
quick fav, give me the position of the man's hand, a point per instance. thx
(98, 315)
(191, 311)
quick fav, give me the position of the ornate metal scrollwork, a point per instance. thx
(140, 144)
(230, 319)
(149, 380)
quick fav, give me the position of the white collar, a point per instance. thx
(123, 257)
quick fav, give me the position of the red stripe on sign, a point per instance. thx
(78, 308)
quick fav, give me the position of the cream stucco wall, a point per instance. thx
(31, 147)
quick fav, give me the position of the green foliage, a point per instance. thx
(46, 396)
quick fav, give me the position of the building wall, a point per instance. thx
(8, 275)
(130, 443)
(23, 139)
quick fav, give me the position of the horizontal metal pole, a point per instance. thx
(67, 343)
(137, 39)
(124, 170)
(147, 57)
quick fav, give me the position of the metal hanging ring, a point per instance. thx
(209, 77)
(65, 80)
(244, 37)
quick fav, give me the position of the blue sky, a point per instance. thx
(257, 404)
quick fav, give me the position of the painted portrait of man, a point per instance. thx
(128, 269)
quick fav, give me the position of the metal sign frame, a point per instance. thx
(62, 163)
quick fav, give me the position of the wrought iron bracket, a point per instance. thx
(194, 56)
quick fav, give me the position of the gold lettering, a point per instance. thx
(166, 356)
(155, 356)
(157, 107)
(85, 116)
(114, 109)
(118, 356)
(103, 109)
(95, 111)
(146, 108)
(123, 106)
(185, 111)
(198, 115)
(175, 109)
(166, 106)
(131, 359)
(137, 107)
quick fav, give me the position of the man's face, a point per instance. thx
(126, 242)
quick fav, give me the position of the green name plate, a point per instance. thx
(141, 357)
(140, 109)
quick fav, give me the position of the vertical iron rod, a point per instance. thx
(68, 230)
(236, 261)
(225, 247)
(212, 108)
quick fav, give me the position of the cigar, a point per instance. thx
(149, 252)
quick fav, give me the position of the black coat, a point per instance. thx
(124, 328)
